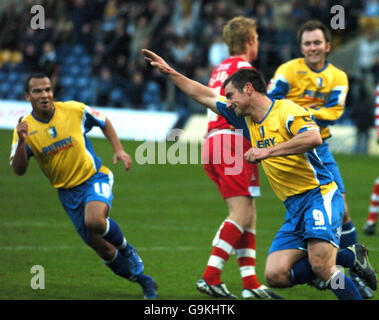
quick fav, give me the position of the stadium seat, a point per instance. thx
(82, 82)
(18, 89)
(69, 59)
(65, 69)
(3, 76)
(78, 50)
(16, 57)
(67, 81)
(117, 97)
(5, 86)
(62, 51)
(14, 76)
(85, 96)
(5, 56)
(86, 71)
(6, 67)
(68, 94)
(11, 95)
(85, 61)
(74, 70)
(19, 67)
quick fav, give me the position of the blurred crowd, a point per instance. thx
(91, 48)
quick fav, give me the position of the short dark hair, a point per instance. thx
(313, 25)
(243, 76)
(33, 76)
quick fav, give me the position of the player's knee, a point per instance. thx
(277, 278)
(321, 268)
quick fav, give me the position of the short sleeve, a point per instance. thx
(93, 118)
(296, 119)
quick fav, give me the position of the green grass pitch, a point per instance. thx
(170, 213)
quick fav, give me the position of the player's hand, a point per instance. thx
(156, 61)
(22, 130)
(255, 155)
(124, 157)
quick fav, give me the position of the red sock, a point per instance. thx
(374, 204)
(226, 238)
(245, 250)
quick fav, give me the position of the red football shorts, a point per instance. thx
(225, 164)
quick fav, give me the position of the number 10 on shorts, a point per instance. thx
(102, 189)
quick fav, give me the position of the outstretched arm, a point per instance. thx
(119, 153)
(191, 88)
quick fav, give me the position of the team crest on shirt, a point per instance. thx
(319, 82)
(52, 132)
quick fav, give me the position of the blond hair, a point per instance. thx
(237, 33)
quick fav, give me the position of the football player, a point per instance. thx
(54, 133)
(237, 187)
(320, 88)
(306, 245)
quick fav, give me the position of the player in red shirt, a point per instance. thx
(237, 180)
(372, 219)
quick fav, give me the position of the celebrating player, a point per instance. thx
(55, 134)
(284, 137)
(238, 189)
(320, 88)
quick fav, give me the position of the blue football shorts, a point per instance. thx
(327, 159)
(74, 200)
(310, 215)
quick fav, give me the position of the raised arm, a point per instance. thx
(195, 90)
(20, 159)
